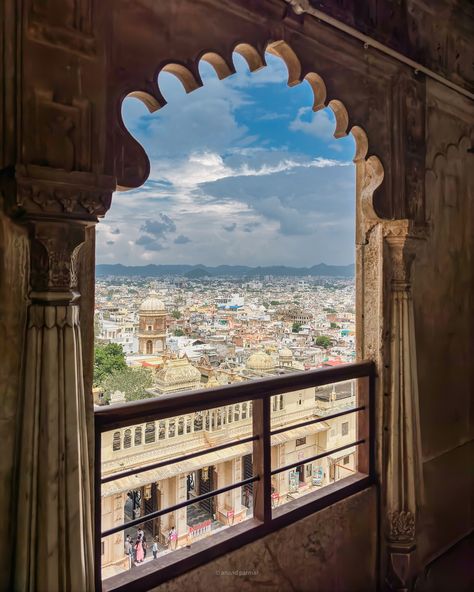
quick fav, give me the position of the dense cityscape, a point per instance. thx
(163, 335)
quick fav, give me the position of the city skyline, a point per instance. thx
(248, 175)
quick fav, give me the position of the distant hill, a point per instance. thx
(199, 271)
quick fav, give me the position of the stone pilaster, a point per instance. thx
(403, 478)
(54, 524)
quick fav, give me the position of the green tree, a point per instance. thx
(108, 358)
(296, 327)
(323, 341)
(176, 314)
(274, 302)
(178, 333)
(334, 326)
(133, 382)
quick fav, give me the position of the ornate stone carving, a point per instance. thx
(63, 133)
(63, 23)
(402, 527)
(54, 251)
(37, 190)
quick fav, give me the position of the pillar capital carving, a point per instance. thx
(34, 192)
(402, 237)
(55, 246)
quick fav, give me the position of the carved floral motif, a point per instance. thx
(54, 252)
(37, 196)
(402, 526)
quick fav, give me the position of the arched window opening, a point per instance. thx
(263, 179)
(162, 430)
(172, 428)
(127, 438)
(150, 432)
(138, 436)
(116, 441)
(198, 421)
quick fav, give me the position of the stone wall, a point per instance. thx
(306, 556)
(443, 297)
(13, 297)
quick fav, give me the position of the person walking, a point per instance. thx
(154, 549)
(128, 549)
(172, 538)
(144, 545)
(139, 556)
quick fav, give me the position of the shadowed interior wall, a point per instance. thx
(443, 298)
(14, 256)
(306, 556)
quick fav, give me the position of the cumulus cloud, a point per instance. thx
(150, 243)
(317, 124)
(250, 226)
(156, 231)
(182, 240)
(163, 225)
(231, 157)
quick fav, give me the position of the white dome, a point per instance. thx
(260, 361)
(285, 352)
(152, 304)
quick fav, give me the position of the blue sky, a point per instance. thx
(242, 172)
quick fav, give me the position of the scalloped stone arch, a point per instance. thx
(255, 59)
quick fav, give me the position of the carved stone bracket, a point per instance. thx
(35, 191)
(404, 477)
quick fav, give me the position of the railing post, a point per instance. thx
(262, 507)
(366, 424)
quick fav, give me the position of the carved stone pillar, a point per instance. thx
(54, 527)
(404, 475)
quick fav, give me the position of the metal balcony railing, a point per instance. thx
(265, 518)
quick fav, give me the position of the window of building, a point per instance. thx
(116, 441)
(150, 432)
(346, 460)
(127, 439)
(138, 436)
(233, 412)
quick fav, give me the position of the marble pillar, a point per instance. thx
(54, 542)
(404, 476)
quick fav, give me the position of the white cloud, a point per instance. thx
(320, 124)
